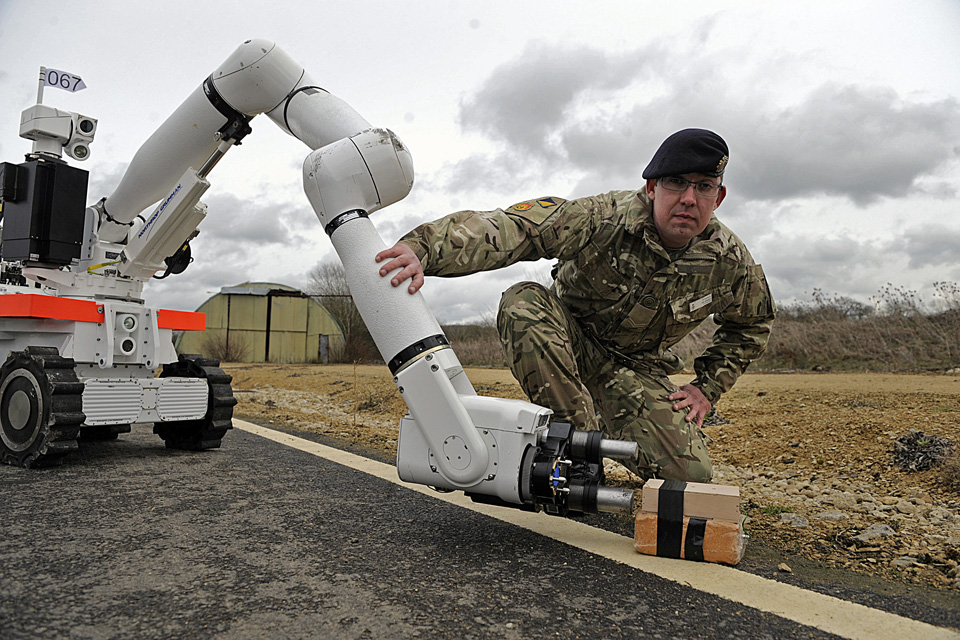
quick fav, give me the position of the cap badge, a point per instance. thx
(722, 164)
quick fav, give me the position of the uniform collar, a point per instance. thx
(639, 215)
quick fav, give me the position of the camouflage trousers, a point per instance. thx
(562, 369)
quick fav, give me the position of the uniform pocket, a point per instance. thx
(640, 316)
(688, 311)
(695, 307)
(633, 333)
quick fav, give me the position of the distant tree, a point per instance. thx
(899, 301)
(850, 309)
(328, 285)
(824, 309)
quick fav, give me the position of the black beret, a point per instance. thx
(689, 151)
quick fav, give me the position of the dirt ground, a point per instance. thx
(812, 454)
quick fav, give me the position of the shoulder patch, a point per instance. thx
(536, 211)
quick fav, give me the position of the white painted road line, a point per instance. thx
(827, 613)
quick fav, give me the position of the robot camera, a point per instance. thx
(81, 135)
(86, 126)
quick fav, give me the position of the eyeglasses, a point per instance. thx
(705, 189)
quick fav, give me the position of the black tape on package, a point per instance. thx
(670, 518)
(693, 542)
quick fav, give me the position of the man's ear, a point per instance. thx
(723, 194)
(651, 186)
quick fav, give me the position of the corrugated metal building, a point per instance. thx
(264, 322)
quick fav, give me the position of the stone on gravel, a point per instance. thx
(875, 531)
(845, 500)
(832, 516)
(906, 507)
(903, 562)
(794, 520)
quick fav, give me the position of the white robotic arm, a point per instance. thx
(502, 451)
(171, 167)
(258, 77)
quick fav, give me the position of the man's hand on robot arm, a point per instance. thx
(689, 395)
(406, 261)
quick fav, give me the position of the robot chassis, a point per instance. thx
(81, 347)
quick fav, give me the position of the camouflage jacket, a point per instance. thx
(624, 288)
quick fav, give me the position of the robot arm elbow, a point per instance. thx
(366, 172)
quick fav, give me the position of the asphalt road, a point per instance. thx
(129, 540)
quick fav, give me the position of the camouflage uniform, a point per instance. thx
(595, 346)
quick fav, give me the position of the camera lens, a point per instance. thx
(86, 126)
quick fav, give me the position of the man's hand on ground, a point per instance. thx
(407, 261)
(691, 396)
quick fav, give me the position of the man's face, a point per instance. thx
(681, 215)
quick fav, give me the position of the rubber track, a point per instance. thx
(65, 394)
(207, 432)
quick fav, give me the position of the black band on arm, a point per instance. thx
(343, 218)
(416, 349)
(238, 124)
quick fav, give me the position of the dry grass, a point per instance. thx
(476, 345)
(883, 343)
(926, 343)
(900, 333)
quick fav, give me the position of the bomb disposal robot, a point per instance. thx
(80, 346)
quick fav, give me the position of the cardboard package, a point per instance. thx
(699, 539)
(700, 500)
(691, 520)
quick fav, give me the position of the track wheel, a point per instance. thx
(41, 407)
(205, 433)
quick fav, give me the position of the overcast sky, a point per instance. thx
(843, 121)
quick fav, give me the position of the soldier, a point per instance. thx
(636, 272)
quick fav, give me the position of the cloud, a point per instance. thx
(601, 116)
(863, 143)
(187, 291)
(392, 225)
(234, 220)
(524, 101)
(830, 264)
(473, 298)
(243, 240)
(935, 245)
(482, 172)
(104, 178)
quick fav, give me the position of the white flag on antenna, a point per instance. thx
(62, 80)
